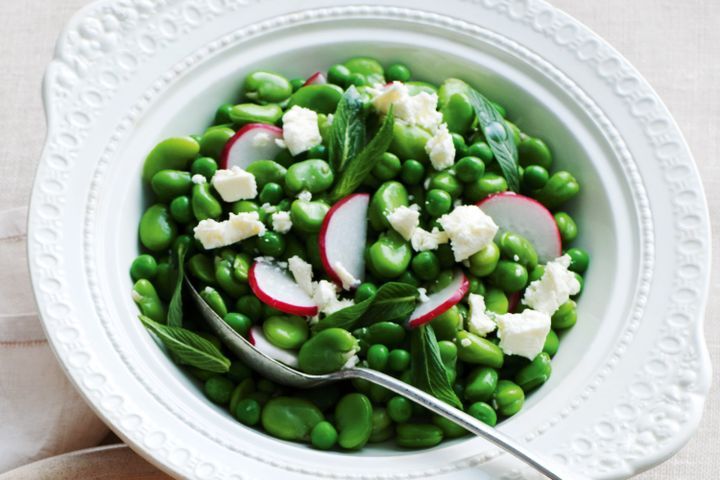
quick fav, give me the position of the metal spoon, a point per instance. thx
(285, 375)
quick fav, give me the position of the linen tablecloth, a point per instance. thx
(673, 43)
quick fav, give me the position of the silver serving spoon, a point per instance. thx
(285, 375)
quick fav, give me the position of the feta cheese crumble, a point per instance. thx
(347, 278)
(326, 298)
(404, 220)
(552, 289)
(422, 295)
(441, 149)
(281, 222)
(523, 333)
(198, 179)
(300, 129)
(478, 320)
(213, 234)
(302, 273)
(469, 230)
(305, 196)
(422, 240)
(234, 184)
(420, 109)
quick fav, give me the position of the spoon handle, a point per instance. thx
(469, 423)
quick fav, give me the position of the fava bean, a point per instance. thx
(247, 411)
(417, 435)
(488, 184)
(222, 114)
(339, 75)
(508, 398)
(267, 87)
(290, 418)
(533, 151)
(239, 322)
(323, 436)
(157, 229)
(227, 281)
(455, 106)
(560, 188)
(447, 182)
(450, 429)
(171, 154)
(448, 355)
(148, 301)
(483, 412)
(389, 196)
(369, 68)
(398, 72)
(409, 142)
(389, 256)
(168, 184)
(214, 300)
(517, 248)
(382, 426)
(535, 374)
(204, 204)
(388, 167)
(353, 416)
(534, 177)
(266, 171)
(384, 333)
(327, 351)
(484, 262)
(320, 98)
(566, 225)
(287, 331)
(202, 268)
(307, 216)
(250, 306)
(143, 267)
(496, 301)
(241, 267)
(478, 350)
(315, 176)
(480, 384)
(399, 409)
(447, 324)
(565, 316)
(552, 343)
(252, 113)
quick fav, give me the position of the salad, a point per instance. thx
(362, 218)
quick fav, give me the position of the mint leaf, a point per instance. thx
(188, 348)
(499, 137)
(347, 133)
(427, 370)
(175, 308)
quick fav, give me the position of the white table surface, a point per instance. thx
(673, 43)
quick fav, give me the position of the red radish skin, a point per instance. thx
(251, 337)
(453, 299)
(513, 301)
(324, 229)
(527, 217)
(244, 135)
(266, 298)
(317, 78)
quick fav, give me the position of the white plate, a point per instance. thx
(630, 379)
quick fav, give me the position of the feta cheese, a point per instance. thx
(441, 149)
(305, 196)
(338, 304)
(198, 179)
(422, 295)
(213, 234)
(422, 240)
(281, 222)
(465, 342)
(302, 273)
(552, 289)
(234, 184)
(326, 299)
(300, 129)
(420, 109)
(478, 320)
(347, 278)
(352, 362)
(469, 230)
(210, 233)
(523, 333)
(404, 220)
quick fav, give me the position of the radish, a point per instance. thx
(317, 78)
(527, 217)
(342, 239)
(254, 141)
(440, 301)
(513, 301)
(288, 357)
(274, 287)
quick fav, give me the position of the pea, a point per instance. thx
(266, 171)
(323, 436)
(399, 409)
(388, 167)
(447, 324)
(148, 301)
(181, 210)
(450, 429)
(399, 360)
(426, 266)
(398, 72)
(389, 196)
(485, 186)
(518, 248)
(448, 355)
(415, 87)
(384, 333)
(157, 229)
(201, 267)
(484, 262)
(483, 412)
(308, 217)
(565, 316)
(534, 177)
(477, 286)
(438, 203)
(215, 138)
(218, 390)
(560, 188)
(165, 280)
(455, 106)
(250, 306)
(271, 244)
(287, 331)
(477, 350)
(312, 245)
(416, 435)
(144, 266)
(320, 98)
(226, 279)
(297, 83)
(409, 142)
(245, 113)
(222, 114)
(382, 426)
(290, 418)
(533, 151)
(364, 291)
(267, 87)
(459, 144)
(353, 416)
(443, 280)
(204, 166)
(566, 225)
(469, 169)
(535, 374)
(315, 176)
(338, 74)
(204, 204)
(327, 351)
(408, 277)
(480, 384)
(213, 298)
(509, 276)
(581, 281)
(579, 259)
(268, 311)
(245, 388)
(412, 172)
(369, 68)
(482, 151)
(508, 398)
(445, 256)
(171, 154)
(447, 182)
(248, 411)
(378, 356)
(389, 256)
(552, 343)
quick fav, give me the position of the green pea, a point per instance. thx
(214, 300)
(168, 184)
(226, 279)
(459, 144)
(218, 390)
(477, 286)
(552, 343)
(447, 324)
(534, 177)
(271, 244)
(252, 113)
(444, 279)
(248, 411)
(409, 142)
(426, 266)
(408, 277)
(266, 171)
(447, 182)
(449, 428)
(202, 268)
(485, 186)
(389, 256)
(245, 388)
(483, 412)
(561, 187)
(438, 203)
(508, 398)
(308, 217)
(286, 331)
(324, 397)
(214, 139)
(455, 106)
(369, 68)
(509, 276)
(364, 291)
(398, 72)
(469, 169)
(165, 280)
(579, 259)
(148, 301)
(477, 350)
(314, 176)
(417, 435)
(171, 154)
(239, 322)
(241, 267)
(327, 351)
(246, 206)
(388, 334)
(518, 248)
(250, 306)
(565, 316)
(181, 210)
(222, 114)
(320, 98)
(157, 229)
(399, 360)
(389, 196)
(445, 256)
(297, 83)
(204, 204)
(399, 409)
(448, 355)
(535, 374)
(338, 74)
(533, 151)
(382, 426)
(378, 356)
(412, 172)
(353, 417)
(267, 87)
(388, 167)
(323, 436)
(566, 225)
(480, 384)
(290, 418)
(144, 266)
(318, 151)
(496, 301)
(482, 151)
(484, 262)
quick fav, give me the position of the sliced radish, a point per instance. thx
(513, 301)
(317, 78)
(288, 357)
(342, 238)
(274, 287)
(441, 301)
(527, 217)
(254, 141)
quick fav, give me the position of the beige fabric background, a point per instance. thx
(675, 44)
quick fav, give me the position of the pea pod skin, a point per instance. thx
(455, 106)
(327, 351)
(480, 384)
(389, 256)
(409, 142)
(320, 98)
(508, 398)
(204, 203)
(266, 171)
(478, 350)
(418, 435)
(290, 418)
(561, 187)
(389, 196)
(157, 228)
(315, 176)
(267, 87)
(535, 374)
(214, 140)
(148, 301)
(251, 113)
(353, 416)
(171, 154)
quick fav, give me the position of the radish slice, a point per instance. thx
(274, 287)
(254, 141)
(440, 302)
(317, 78)
(288, 357)
(342, 238)
(513, 301)
(527, 217)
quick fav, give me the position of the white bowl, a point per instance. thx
(630, 379)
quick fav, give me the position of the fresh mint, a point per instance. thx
(427, 370)
(347, 133)
(175, 308)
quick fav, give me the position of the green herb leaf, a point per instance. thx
(175, 308)
(188, 348)
(499, 137)
(360, 167)
(347, 133)
(427, 370)
(393, 300)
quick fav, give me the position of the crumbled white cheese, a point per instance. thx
(302, 273)
(330, 119)
(338, 304)
(469, 230)
(198, 179)
(523, 333)
(352, 362)
(404, 220)
(478, 321)
(441, 149)
(281, 222)
(234, 184)
(554, 288)
(326, 298)
(422, 295)
(305, 196)
(423, 240)
(420, 109)
(210, 233)
(347, 278)
(300, 129)
(213, 234)
(465, 342)
(281, 143)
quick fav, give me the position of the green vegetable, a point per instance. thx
(171, 154)
(416, 435)
(353, 416)
(327, 351)
(347, 133)
(428, 371)
(175, 308)
(157, 229)
(290, 418)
